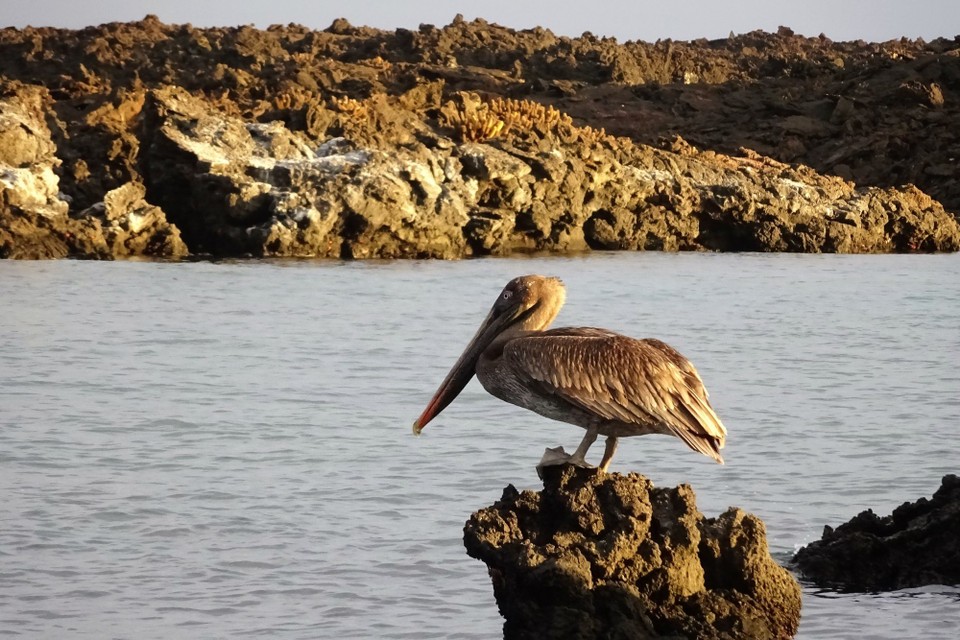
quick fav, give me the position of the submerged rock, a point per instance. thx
(611, 556)
(918, 544)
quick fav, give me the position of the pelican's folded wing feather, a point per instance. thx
(643, 382)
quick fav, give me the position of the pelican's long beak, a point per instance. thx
(466, 366)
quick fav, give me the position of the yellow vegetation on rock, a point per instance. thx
(350, 106)
(301, 57)
(478, 126)
(377, 63)
(476, 120)
(292, 98)
(525, 115)
(594, 136)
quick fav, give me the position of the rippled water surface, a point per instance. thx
(207, 450)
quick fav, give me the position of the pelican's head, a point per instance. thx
(530, 302)
(527, 303)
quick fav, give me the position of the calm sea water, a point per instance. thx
(223, 450)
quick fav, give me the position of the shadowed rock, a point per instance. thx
(918, 544)
(610, 556)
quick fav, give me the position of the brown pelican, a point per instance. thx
(609, 384)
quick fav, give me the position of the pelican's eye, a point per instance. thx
(507, 294)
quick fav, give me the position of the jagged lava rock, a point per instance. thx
(610, 556)
(918, 544)
(238, 188)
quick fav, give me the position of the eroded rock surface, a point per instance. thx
(36, 220)
(126, 225)
(610, 556)
(260, 189)
(917, 545)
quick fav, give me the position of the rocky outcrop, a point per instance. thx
(238, 188)
(918, 544)
(610, 556)
(444, 142)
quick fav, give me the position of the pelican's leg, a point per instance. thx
(608, 452)
(579, 456)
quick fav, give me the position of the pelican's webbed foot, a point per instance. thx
(557, 456)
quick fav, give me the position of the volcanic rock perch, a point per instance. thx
(609, 556)
(919, 544)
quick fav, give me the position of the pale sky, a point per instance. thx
(871, 20)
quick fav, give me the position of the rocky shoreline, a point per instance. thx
(147, 139)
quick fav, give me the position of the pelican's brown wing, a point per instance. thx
(643, 382)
